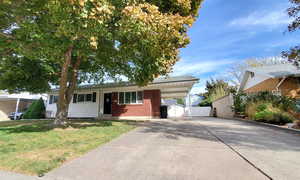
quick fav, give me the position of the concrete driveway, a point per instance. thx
(204, 148)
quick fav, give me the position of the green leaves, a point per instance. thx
(148, 35)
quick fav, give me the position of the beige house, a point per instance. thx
(282, 79)
(14, 103)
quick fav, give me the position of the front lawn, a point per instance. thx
(34, 147)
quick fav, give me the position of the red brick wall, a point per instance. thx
(150, 106)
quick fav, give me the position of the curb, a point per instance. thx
(289, 130)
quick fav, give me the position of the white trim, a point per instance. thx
(136, 97)
(84, 101)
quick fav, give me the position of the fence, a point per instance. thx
(197, 111)
(223, 106)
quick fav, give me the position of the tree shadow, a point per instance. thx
(234, 133)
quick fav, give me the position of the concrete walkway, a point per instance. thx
(5, 175)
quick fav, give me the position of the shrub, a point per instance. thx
(282, 102)
(282, 118)
(205, 103)
(252, 105)
(36, 110)
(261, 107)
(263, 116)
(273, 117)
(239, 103)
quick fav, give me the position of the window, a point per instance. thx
(80, 98)
(131, 97)
(140, 97)
(127, 97)
(121, 98)
(85, 97)
(53, 99)
(88, 97)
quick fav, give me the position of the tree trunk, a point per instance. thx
(68, 82)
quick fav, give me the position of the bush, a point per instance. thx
(263, 116)
(282, 102)
(205, 103)
(273, 117)
(265, 106)
(267, 113)
(261, 107)
(239, 103)
(36, 110)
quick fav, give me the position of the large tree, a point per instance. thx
(294, 53)
(67, 42)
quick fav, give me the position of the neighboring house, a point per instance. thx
(283, 79)
(123, 100)
(14, 103)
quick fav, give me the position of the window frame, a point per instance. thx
(86, 97)
(81, 96)
(136, 97)
(91, 100)
(53, 99)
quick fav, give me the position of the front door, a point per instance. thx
(107, 103)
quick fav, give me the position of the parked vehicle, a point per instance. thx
(19, 115)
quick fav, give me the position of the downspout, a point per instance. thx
(99, 99)
(190, 103)
(280, 83)
(17, 109)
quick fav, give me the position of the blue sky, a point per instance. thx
(228, 32)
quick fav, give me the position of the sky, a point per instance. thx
(229, 32)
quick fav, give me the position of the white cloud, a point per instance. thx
(199, 87)
(201, 67)
(270, 19)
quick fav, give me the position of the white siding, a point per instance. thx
(79, 109)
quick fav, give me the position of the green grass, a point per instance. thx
(35, 147)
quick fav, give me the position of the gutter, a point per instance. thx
(126, 84)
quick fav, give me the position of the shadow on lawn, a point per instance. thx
(47, 125)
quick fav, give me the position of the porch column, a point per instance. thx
(190, 106)
(17, 108)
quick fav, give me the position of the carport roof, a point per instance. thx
(161, 80)
(26, 96)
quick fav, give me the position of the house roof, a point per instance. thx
(272, 71)
(172, 87)
(6, 96)
(277, 71)
(127, 83)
